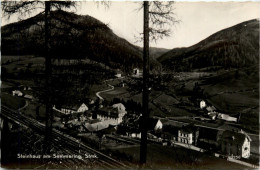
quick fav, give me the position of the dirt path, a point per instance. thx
(26, 104)
(98, 93)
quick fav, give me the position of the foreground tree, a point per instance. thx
(24, 8)
(158, 18)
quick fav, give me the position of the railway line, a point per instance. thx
(70, 144)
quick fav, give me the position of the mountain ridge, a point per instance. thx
(236, 46)
(72, 36)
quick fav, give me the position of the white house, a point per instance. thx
(118, 75)
(202, 104)
(17, 92)
(134, 134)
(27, 96)
(188, 134)
(236, 143)
(154, 124)
(227, 117)
(83, 107)
(136, 71)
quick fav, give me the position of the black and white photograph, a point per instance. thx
(129, 84)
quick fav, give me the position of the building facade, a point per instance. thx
(236, 144)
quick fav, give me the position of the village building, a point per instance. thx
(210, 109)
(79, 108)
(208, 139)
(202, 104)
(95, 125)
(170, 130)
(136, 71)
(213, 115)
(154, 124)
(227, 117)
(121, 84)
(134, 134)
(27, 96)
(91, 101)
(235, 143)
(17, 93)
(112, 115)
(118, 75)
(27, 88)
(188, 134)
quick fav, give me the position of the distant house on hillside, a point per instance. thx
(188, 134)
(72, 109)
(136, 71)
(210, 109)
(202, 104)
(121, 84)
(236, 143)
(227, 117)
(17, 93)
(26, 88)
(27, 96)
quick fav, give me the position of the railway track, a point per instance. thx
(70, 143)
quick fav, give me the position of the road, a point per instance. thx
(70, 144)
(98, 93)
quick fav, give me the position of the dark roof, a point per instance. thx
(150, 123)
(234, 137)
(209, 134)
(94, 121)
(108, 112)
(189, 129)
(74, 107)
(174, 123)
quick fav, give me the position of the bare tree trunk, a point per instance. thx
(48, 78)
(145, 115)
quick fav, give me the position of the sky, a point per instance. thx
(198, 20)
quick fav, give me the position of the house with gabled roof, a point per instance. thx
(113, 114)
(236, 143)
(69, 109)
(154, 124)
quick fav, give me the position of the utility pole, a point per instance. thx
(144, 118)
(47, 78)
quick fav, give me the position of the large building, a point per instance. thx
(188, 134)
(112, 115)
(236, 143)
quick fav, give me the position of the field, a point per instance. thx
(35, 111)
(159, 157)
(117, 92)
(12, 102)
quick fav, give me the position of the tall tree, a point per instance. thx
(24, 8)
(158, 17)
